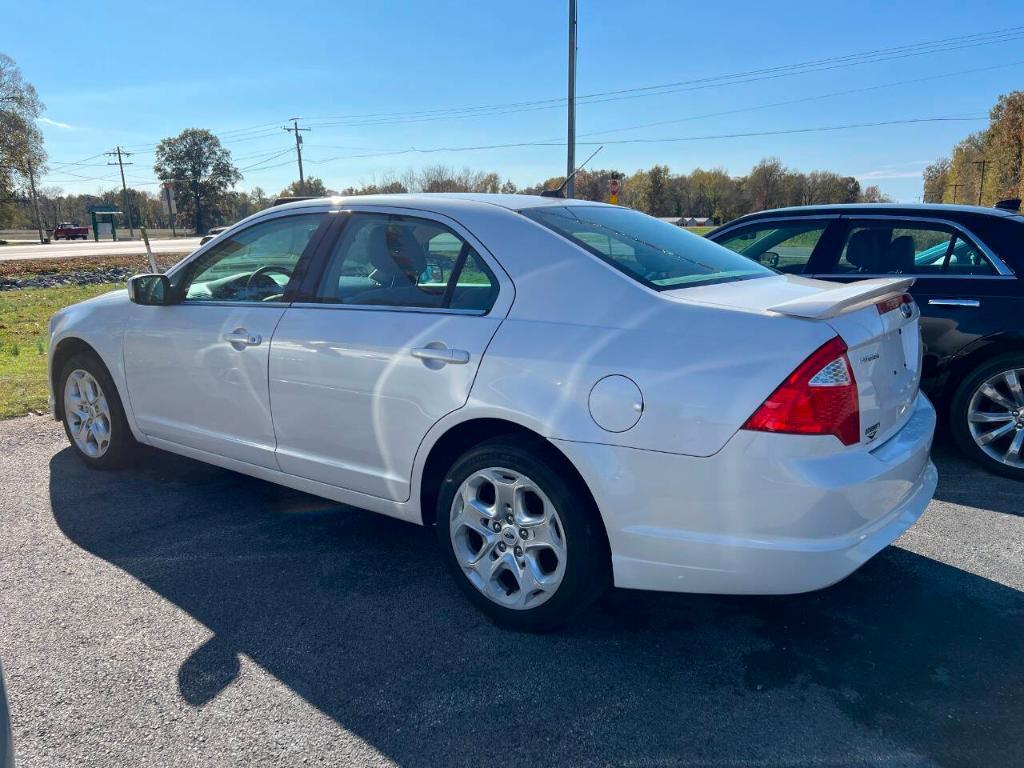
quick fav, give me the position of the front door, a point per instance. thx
(197, 370)
(386, 345)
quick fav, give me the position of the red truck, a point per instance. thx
(69, 231)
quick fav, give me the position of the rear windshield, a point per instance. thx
(659, 255)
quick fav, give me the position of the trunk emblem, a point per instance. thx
(906, 310)
(871, 432)
(869, 358)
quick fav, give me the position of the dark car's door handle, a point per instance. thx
(954, 302)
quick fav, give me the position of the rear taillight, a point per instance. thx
(894, 303)
(818, 398)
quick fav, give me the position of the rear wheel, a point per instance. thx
(987, 415)
(93, 416)
(523, 542)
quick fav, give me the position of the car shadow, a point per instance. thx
(909, 660)
(962, 481)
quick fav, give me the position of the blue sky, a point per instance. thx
(137, 72)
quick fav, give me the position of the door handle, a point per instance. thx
(954, 302)
(240, 338)
(442, 355)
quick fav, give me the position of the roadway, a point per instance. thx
(84, 248)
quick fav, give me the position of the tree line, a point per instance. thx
(985, 166)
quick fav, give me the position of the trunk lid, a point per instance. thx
(884, 345)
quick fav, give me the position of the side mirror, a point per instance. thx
(150, 290)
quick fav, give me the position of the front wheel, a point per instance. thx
(523, 541)
(93, 416)
(987, 415)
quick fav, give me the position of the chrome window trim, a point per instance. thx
(388, 308)
(1000, 266)
(919, 276)
(221, 303)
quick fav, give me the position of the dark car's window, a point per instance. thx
(254, 264)
(655, 253)
(785, 246)
(405, 261)
(905, 248)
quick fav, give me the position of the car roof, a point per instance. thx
(440, 201)
(891, 209)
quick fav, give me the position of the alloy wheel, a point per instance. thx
(87, 413)
(508, 538)
(995, 417)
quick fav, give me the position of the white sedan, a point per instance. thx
(574, 394)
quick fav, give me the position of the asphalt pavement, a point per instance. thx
(179, 614)
(63, 249)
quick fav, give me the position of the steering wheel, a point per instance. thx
(265, 270)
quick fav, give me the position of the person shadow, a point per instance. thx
(909, 660)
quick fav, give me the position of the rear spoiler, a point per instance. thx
(844, 298)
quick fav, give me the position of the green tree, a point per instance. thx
(21, 141)
(1006, 147)
(201, 170)
(313, 187)
(936, 180)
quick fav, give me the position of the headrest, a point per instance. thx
(901, 255)
(395, 251)
(865, 249)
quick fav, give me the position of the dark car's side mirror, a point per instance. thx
(150, 290)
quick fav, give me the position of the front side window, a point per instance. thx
(903, 248)
(659, 255)
(254, 264)
(786, 247)
(404, 261)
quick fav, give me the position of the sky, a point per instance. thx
(374, 80)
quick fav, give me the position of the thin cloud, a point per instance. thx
(56, 123)
(888, 174)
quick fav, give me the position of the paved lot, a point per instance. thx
(183, 615)
(66, 249)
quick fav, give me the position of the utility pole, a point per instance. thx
(121, 154)
(35, 200)
(981, 186)
(298, 150)
(570, 158)
(956, 189)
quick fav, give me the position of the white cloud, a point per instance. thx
(56, 123)
(883, 173)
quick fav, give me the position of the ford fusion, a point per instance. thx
(573, 394)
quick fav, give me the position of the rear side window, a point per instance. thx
(659, 255)
(786, 247)
(404, 261)
(903, 248)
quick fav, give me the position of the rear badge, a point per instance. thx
(869, 358)
(871, 432)
(906, 310)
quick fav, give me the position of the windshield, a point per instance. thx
(659, 255)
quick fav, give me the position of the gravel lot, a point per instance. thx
(178, 614)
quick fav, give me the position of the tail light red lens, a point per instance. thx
(888, 305)
(818, 398)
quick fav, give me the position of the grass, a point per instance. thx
(24, 315)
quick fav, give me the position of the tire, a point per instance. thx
(1003, 412)
(108, 442)
(534, 583)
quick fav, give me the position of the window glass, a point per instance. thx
(899, 249)
(254, 264)
(655, 253)
(966, 259)
(786, 247)
(403, 261)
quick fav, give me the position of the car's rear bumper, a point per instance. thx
(768, 514)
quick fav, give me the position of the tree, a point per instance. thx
(936, 179)
(313, 187)
(21, 141)
(1006, 145)
(765, 184)
(201, 170)
(873, 194)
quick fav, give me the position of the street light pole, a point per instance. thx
(570, 160)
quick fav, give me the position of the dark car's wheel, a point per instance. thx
(987, 415)
(523, 541)
(92, 413)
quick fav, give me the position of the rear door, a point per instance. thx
(962, 289)
(385, 342)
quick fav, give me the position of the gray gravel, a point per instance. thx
(178, 614)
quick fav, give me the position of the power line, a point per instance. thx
(298, 150)
(121, 154)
